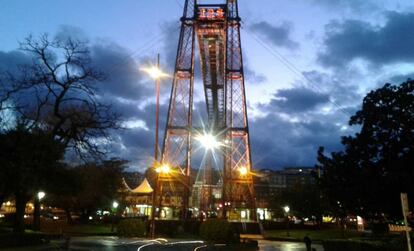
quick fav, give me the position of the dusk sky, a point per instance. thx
(308, 64)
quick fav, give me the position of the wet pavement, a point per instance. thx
(285, 246)
(119, 244)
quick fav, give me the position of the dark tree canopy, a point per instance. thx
(88, 187)
(377, 163)
(28, 160)
(54, 103)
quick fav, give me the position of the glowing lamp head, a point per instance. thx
(243, 171)
(41, 195)
(115, 204)
(165, 169)
(286, 208)
(154, 72)
(208, 141)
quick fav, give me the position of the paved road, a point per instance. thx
(116, 244)
(285, 246)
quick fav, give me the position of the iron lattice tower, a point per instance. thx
(216, 29)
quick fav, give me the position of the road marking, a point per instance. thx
(197, 248)
(146, 245)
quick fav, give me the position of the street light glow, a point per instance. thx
(154, 72)
(115, 204)
(286, 208)
(165, 169)
(243, 171)
(41, 195)
(208, 141)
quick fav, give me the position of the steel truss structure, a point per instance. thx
(216, 29)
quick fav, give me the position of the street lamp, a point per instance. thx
(115, 205)
(41, 195)
(155, 73)
(287, 209)
(163, 169)
(36, 211)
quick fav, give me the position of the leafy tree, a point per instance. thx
(100, 185)
(96, 185)
(376, 165)
(63, 189)
(305, 200)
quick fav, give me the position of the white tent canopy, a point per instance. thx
(143, 188)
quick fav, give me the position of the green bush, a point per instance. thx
(174, 228)
(218, 230)
(131, 228)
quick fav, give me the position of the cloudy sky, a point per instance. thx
(308, 64)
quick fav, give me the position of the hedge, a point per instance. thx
(131, 228)
(218, 230)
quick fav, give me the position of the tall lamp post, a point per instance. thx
(287, 209)
(156, 74)
(115, 205)
(36, 212)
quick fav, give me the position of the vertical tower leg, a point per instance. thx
(176, 151)
(238, 190)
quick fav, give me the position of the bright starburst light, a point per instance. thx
(154, 72)
(243, 171)
(165, 169)
(208, 141)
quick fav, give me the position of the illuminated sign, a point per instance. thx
(211, 13)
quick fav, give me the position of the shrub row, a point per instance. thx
(219, 230)
(169, 228)
(131, 228)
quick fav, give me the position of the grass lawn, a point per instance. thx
(89, 229)
(315, 235)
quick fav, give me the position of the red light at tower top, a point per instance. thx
(211, 13)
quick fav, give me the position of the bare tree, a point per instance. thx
(57, 91)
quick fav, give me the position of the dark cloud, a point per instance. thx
(353, 5)
(251, 76)
(171, 31)
(354, 39)
(279, 35)
(10, 61)
(340, 86)
(276, 142)
(398, 79)
(73, 32)
(296, 100)
(123, 77)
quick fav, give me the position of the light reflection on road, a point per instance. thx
(135, 244)
(285, 246)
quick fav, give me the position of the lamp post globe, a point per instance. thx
(41, 195)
